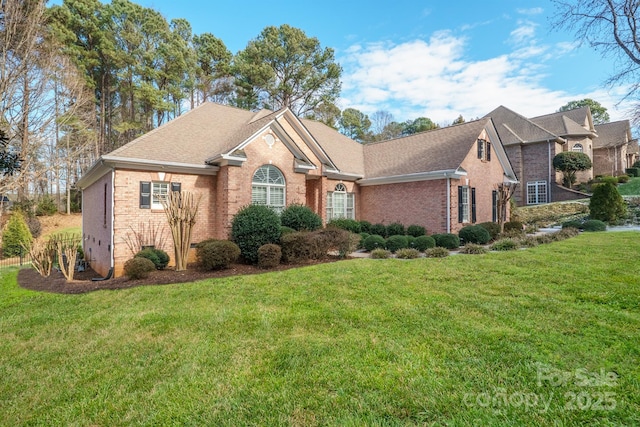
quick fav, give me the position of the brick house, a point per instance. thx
(442, 179)
(614, 150)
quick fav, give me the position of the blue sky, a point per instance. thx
(433, 58)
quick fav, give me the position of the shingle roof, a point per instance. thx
(612, 134)
(345, 153)
(435, 150)
(565, 123)
(514, 128)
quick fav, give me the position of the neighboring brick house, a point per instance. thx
(442, 179)
(532, 143)
(614, 150)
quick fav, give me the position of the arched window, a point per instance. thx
(340, 204)
(577, 148)
(268, 187)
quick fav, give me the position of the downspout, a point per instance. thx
(448, 204)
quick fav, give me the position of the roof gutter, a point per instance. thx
(411, 177)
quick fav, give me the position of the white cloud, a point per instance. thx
(531, 11)
(435, 79)
(525, 32)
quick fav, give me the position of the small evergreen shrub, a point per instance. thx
(300, 218)
(395, 242)
(416, 230)
(492, 227)
(395, 229)
(594, 225)
(634, 171)
(513, 226)
(422, 243)
(411, 242)
(365, 227)
(362, 237)
(623, 179)
(474, 234)
(35, 227)
(506, 244)
(16, 237)
(437, 252)
(217, 254)
(574, 223)
(46, 206)
(252, 227)
(374, 242)
(606, 203)
(269, 256)
(380, 253)
(346, 224)
(158, 257)
(378, 229)
(286, 230)
(473, 249)
(407, 253)
(138, 268)
(529, 242)
(341, 241)
(447, 240)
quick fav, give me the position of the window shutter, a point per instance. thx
(473, 205)
(145, 195)
(176, 186)
(488, 151)
(460, 204)
(494, 204)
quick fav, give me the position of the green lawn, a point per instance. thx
(631, 188)
(544, 336)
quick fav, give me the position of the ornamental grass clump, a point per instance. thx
(506, 244)
(380, 253)
(437, 252)
(407, 253)
(473, 249)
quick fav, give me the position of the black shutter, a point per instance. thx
(488, 151)
(459, 204)
(145, 195)
(176, 186)
(494, 204)
(473, 205)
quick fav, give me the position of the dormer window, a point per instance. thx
(578, 148)
(484, 150)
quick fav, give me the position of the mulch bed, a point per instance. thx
(29, 278)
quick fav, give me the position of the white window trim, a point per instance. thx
(539, 197)
(348, 203)
(466, 204)
(269, 186)
(157, 197)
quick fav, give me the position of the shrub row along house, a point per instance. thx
(442, 179)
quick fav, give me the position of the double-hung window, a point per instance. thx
(466, 204)
(340, 204)
(152, 194)
(268, 188)
(536, 192)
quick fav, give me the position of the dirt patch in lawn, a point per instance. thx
(29, 278)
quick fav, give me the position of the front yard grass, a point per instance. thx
(631, 188)
(497, 339)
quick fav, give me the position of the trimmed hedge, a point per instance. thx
(216, 254)
(634, 171)
(447, 240)
(158, 257)
(594, 225)
(346, 224)
(396, 242)
(300, 218)
(365, 227)
(416, 230)
(513, 226)
(395, 229)
(138, 268)
(492, 227)
(574, 223)
(374, 241)
(252, 227)
(474, 234)
(422, 243)
(269, 256)
(378, 229)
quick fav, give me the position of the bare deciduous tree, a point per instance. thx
(181, 209)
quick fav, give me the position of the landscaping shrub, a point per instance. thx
(16, 237)
(513, 226)
(492, 227)
(35, 227)
(252, 227)
(623, 179)
(634, 171)
(395, 242)
(342, 241)
(529, 242)
(300, 218)
(416, 230)
(158, 257)
(286, 230)
(365, 227)
(407, 253)
(506, 244)
(217, 254)
(138, 268)
(363, 236)
(378, 229)
(374, 242)
(380, 253)
(437, 252)
(544, 239)
(411, 242)
(269, 255)
(447, 240)
(46, 206)
(566, 233)
(346, 224)
(473, 249)
(574, 223)
(422, 243)
(474, 234)
(395, 229)
(594, 225)
(607, 204)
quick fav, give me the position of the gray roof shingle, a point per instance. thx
(612, 134)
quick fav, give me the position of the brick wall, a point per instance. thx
(96, 224)
(610, 161)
